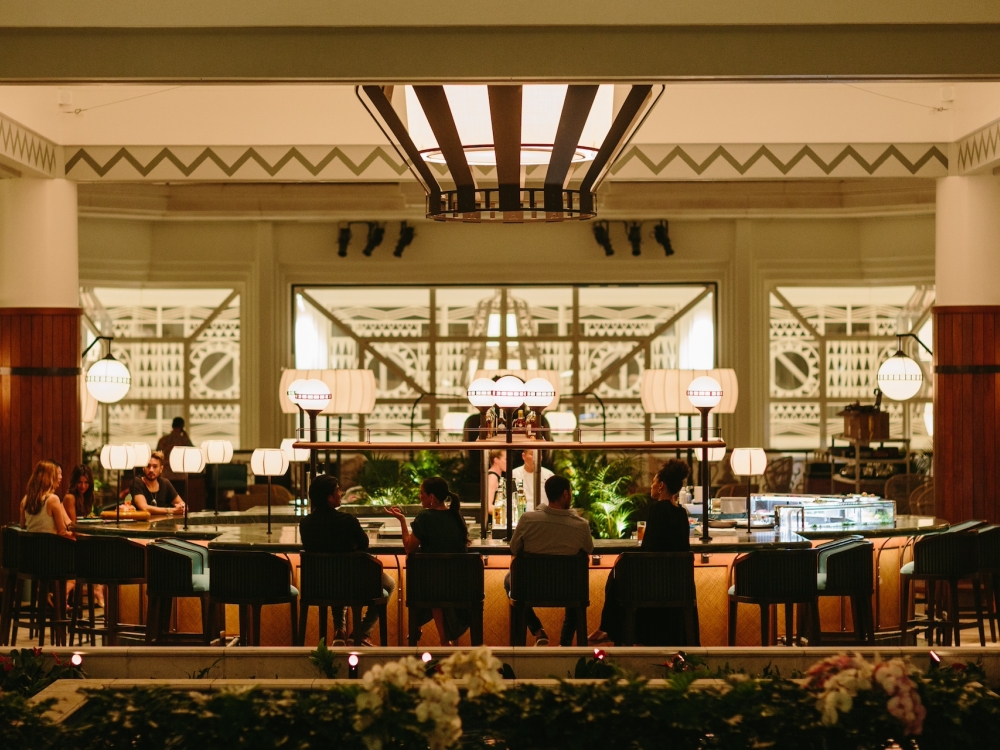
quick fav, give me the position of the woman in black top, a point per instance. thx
(439, 528)
(667, 530)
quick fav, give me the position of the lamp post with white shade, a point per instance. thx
(748, 462)
(312, 396)
(704, 393)
(118, 458)
(140, 458)
(481, 396)
(296, 456)
(186, 459)
(900, 377)
(217, 452)
(268, 462)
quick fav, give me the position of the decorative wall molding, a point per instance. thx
(776, 161)
(980, 150)
(26, 152)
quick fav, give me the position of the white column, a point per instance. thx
(967, 241)
(39, 253)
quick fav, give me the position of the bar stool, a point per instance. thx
(113, 562)
(47, 560)
(251, 580)
(949, 557)
(548, 581)
(847, 569)
(657, 580)
(352, 579)
(988, 540)
(445, 581)
(176, 569)
(771, 577)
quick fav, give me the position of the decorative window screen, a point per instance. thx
(826, 345)
(431, 340)
(182, 347)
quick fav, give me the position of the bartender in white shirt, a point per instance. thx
(525, 476)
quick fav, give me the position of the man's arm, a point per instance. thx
(517, 540)
(586, 540)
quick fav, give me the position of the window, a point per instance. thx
(826, 347)
(424, 344)
(182, 347)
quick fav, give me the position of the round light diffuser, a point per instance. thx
(186, 459)
(509, 392)
(108, 380)
(900, 377)
(748, 462)
(268, 462)
(118, 457)
(561, 421)
(294, 455)
(704, 392)
(142, 453)
(311, 395)
(481, 393)
(539, 393)
(217, 451)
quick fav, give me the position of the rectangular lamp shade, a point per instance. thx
(665, 391)
(525, 375)
(351, 391)
(748, 462)
(142, 453)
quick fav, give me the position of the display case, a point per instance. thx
(820, 512)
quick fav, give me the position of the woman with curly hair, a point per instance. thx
(41, 510)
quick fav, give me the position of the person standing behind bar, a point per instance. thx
(667, 530)
(154, 493)
(498, 466)
(553, 529)
(176, 436)
(41, 511)
(330, 531)
(526, 476)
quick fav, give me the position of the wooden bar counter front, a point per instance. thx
(713, 570)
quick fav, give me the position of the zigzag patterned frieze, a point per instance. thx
(979, 148)
(765, 153)
(26, 147)
(251, 155)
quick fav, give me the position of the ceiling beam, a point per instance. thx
(576, 109)
(505, 113)
(434, 102)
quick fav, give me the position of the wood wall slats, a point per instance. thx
(39, 415)
(967, 414)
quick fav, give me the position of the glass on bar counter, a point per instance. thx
(819, 512)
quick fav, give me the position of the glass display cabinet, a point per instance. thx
(824, 512)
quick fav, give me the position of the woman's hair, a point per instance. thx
(85, 503)
(320, 491)
(494, 455)
(43, 483)
(438, 487)
(672, 474)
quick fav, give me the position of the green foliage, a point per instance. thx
(27, 672)
(23, 725)
(387, 481)
(604, 489)
(322, 658)
(201, 674)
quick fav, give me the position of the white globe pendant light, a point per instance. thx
(108, 380)
(900, 377)
(539, 393)
(704, 392)
(509, 392)
(481, 393)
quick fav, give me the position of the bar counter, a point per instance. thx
(248, 531)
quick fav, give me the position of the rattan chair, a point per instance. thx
(49, 561)
(445, 581)
(657, 580)
(548, 581)
(771, 577)
(922, 500)
(778, 474)
(252, 580)
(106, 561)
(176, 569)
(847, 570)
(900, 488)
(352, 579)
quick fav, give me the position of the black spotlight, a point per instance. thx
(343, 240)
(406, 235)
(662, 234)
(602, 236)
(633, 231)
(375, 234)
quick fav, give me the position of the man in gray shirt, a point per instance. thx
(553, 529)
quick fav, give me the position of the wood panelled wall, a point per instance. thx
(39, 397)
(967, 412)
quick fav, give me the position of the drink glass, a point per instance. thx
(640, 530)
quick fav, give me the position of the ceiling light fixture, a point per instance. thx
(406, 235)
(376, 232)
(661, 233)
(602, 236)
(633, 231)
(508, 127)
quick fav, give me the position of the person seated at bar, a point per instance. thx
(41, 510)
(327, 530)
(154, 493)
(498, 466)
(438, 529)
(667, 530)
(79, 503)
(552, 529)
(525, 474)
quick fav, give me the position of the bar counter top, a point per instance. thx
(247, 530)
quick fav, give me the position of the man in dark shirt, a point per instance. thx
(154, 493)
(331, 531)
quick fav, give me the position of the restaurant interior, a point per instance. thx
(242, 259)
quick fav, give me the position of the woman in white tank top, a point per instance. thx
(41, 510)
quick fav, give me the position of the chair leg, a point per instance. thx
(33, 618)
(690, 627)
(931, 607)
(44, 587)
(857, 616)
(294, 613)
(112, 616)
(303, 620)
(628, 636)
(206, 620)
(789, 624)
(323, 618)
(581, 627)
(413, 629)
(732, 622)
(358, 634)
(953, 613)
(476, 627)
(815, 630)
(244, 624)
(904, 608)
(995, 585)
(697, 626)
(76, 613)
(765, 624)
(255, 615)
(16, 611)
(977, 593)
(152, 619)
(92, 614)
(383, 625)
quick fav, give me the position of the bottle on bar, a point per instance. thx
(522, 500)
(500, 505)
(531, 422)
(490, 423)
(519, 423)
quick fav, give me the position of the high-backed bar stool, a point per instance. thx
(176, 569)
(847, 570)
(49, 561)
(110, 561)
(771, 577)
(252, 580)
(548, 581)
(988, 540)
(949, 557)
(445, 581)
(657, 580)
(352, 579)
